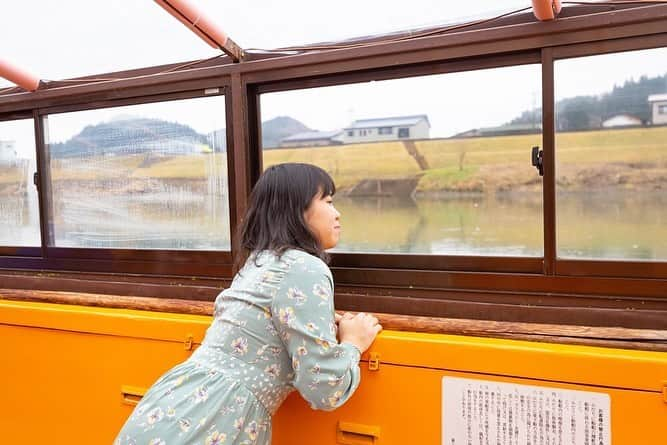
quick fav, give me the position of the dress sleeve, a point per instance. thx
(326, 373)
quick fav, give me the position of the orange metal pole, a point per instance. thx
(546, 9)
(198, 23)
(18, 76)
(192, 17)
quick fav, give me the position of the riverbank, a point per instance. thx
(630, 159)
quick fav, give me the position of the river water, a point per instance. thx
(596, 224)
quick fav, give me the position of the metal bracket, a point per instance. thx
(374, 361)
(131, 395)
(189, 342)
(348, 433)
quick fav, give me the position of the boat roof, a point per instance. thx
(141, 34)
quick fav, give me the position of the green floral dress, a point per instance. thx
(273, 331)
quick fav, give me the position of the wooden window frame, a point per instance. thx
(597, 267)
(136, 261)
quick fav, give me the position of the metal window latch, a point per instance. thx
(536, 158)
(35, 179)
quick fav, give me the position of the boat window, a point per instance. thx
(611, 151)
(454, 178)
(147, 176)
(19, 208)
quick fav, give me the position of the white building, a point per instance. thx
(658, 104)
(8, 151)
(621, 120)
(387, 129)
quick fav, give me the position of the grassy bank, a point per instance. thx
(479, 164)
(471, 164)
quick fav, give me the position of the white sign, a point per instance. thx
(484, 412)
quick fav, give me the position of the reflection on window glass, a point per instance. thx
(19, 208)
(611, 150)
(435, 164)
(150, 176)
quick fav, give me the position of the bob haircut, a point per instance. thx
(275, 217)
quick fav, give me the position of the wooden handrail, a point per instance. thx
(615, 337)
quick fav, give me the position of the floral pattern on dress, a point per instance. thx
(240, 346)
(216, 438)
(273, 331)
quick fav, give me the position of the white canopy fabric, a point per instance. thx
(71, 38)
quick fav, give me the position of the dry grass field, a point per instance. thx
(470, 164)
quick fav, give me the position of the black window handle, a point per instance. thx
(536, 160)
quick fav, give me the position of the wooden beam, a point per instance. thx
(645, 339)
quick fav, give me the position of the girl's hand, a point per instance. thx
(359, 330)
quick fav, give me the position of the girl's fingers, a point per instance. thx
(377, 328)
(337, 317)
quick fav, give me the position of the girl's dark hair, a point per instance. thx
(275, 216)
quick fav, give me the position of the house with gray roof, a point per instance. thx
(312, 139)
(387, 129)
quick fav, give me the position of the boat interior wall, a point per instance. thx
(96, 363)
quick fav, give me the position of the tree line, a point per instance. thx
(588, 112)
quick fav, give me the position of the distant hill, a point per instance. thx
(129, 134)
(273, 131)
(278, 128)
(132, 135)
(588, 112)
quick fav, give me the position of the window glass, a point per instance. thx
(149, 176)
(19, 207)
(434, 164)
(611, 151)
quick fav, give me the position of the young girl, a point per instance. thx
(274, 330)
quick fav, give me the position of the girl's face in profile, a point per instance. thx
(323, 220)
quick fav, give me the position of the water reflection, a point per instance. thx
(463, 225)
(612, 224)
(139, 208)
(19, 215)
(603, 224)
(608, 224)
(170, 216)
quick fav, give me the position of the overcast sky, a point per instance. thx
(69, 38)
